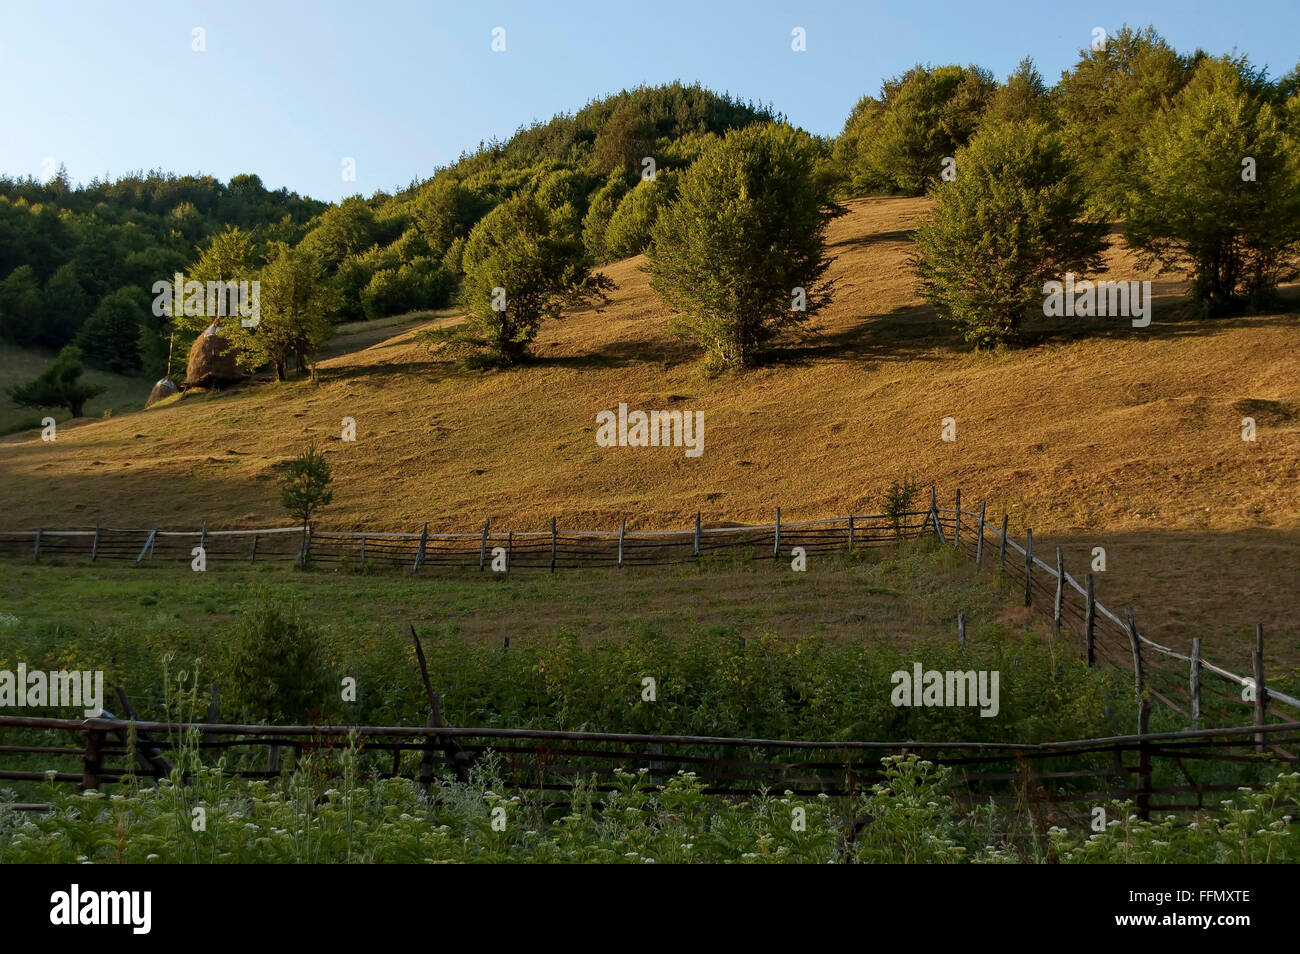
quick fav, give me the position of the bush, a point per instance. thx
(522, 266)
(1002, 228)
(898, 500)
(747, 230)
(599, 211)
(59, 385)
(110, 337)
(631, 226)
(413, 286)
(277, 667)
(1191, 206)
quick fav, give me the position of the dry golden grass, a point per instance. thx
(1102, 435)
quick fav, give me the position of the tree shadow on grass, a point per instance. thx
(909, 332)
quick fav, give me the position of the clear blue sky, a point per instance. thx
(289, 89)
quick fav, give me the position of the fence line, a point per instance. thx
(1112, 641)
(551, 760)
(555, 549)
(1134, 641)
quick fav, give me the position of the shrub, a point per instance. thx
(276, 666)
(747, 230)
(898, 500)
(599, 211)
(1005, 225)
(59, 385)
(631, 227)
(306, 485)
(522, 266)
(1193, 205)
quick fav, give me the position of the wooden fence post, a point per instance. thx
(553, 544)
(94, 546)
(934, 514)
(850, 533)
(776, 545)
(482, 550)
(252, 557)
(697, 535)
(1029, 568)
(1261, 690)
(93, 759)
(1060, 593)
(203, 537)
(1144, 719)
(36, 550)
(956, 533)
(1090, 625)
(305, 554)
(979, 539)
(510, 549)
(1195, 682)
(419, 554)
(363, 551)
(148, 544)
(1002, 549)
(622, 532)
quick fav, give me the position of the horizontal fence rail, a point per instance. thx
(1176, 680)
(1158, 771)
(557, 548)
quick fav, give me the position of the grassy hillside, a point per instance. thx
(1127, 438)
(20, 365)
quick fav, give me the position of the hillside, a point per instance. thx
(20, 365)
(1128, 438)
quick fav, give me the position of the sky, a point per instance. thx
(290, 90)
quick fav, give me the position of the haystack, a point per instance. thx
(163, 389)
(212, 361)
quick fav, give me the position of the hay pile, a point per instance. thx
(212, 361)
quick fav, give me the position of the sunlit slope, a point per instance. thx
(1126, 429)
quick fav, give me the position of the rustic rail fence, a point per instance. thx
(1188, 683)
(556, 548)
(1157, 771)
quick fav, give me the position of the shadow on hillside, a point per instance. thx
(875, 238)
(617, 354)
(426, 369)
(1189, 583)
(909, 332)
(1172, 316)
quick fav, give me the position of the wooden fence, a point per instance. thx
(556, 548)
(1070, 776)
(1188, 683)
